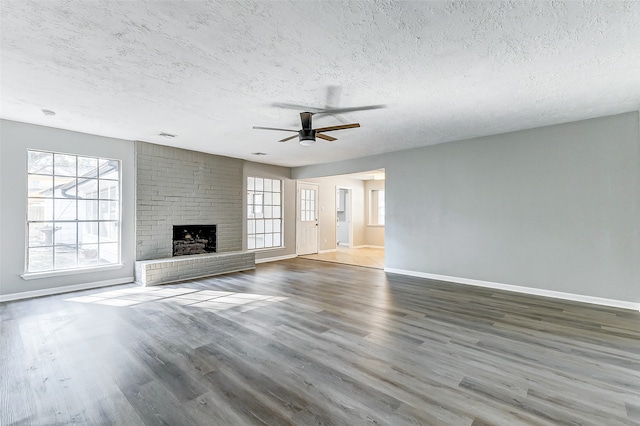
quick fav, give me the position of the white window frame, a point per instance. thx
(101, 211)
(377, 211)
(263, 207)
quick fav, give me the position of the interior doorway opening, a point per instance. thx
(351, 219)
(344, 230)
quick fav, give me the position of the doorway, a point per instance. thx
(344, 230)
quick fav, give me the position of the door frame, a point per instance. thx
(298, 222)
(349, 210)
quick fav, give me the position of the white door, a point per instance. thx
(307, 219)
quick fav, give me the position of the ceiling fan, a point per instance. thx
(307, 135)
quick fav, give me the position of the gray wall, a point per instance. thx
(180, 187)
(288, 205)
(555, 208)
(15, 139)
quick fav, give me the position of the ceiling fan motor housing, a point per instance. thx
(307, 137)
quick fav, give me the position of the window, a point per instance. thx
(73, 211)
(376, 207)
(264, 213)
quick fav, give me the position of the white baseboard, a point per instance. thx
(368, 246)
(63, 289)
(519, 289)
(276, 258)
(327, 251)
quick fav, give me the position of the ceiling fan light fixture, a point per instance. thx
(307, 137)
(307, 142)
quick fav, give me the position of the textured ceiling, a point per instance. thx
(209, 71)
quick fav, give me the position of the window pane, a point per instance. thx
(88, 255)
(40, 209)
(56, 202)
(88, 167)
(40, 259)
(88, 209)
(65, 257)
(40, 186)
(64, 165)
(108, 253)
(66, 234)
(264, 201)
(109, 189)
(109, 169)
(40, 234)
(109, 210)
(64, 209)
(88, 189)
(277, 242)
(40, 163)
(108, 232)
(88, 233)
(64, 187)
(268, 211)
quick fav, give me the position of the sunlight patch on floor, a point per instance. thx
(205, 299)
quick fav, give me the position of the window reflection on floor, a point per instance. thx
(206, 299)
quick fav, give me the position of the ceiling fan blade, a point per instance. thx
(342, 126)
(305, 118)
(295, 106)
(288, 139)
(274, 128)
(325, 137)
(341, 110)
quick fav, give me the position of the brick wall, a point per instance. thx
(179, 187)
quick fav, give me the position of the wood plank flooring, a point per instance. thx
(313, 343)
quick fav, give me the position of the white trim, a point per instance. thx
(327, 251)
(368, 246)
(63, 289)
(62, 272)
(260, 250)
(520, 289)
(276, 258)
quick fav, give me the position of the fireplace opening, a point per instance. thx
(194, 239)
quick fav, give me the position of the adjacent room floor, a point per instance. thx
(304, 342)
(366, 256)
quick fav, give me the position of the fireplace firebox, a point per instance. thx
(194, 239)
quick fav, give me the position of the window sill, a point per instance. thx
(266, 249)
(375, 225)
(47, 274)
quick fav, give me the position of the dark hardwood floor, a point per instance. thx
(305, 342)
